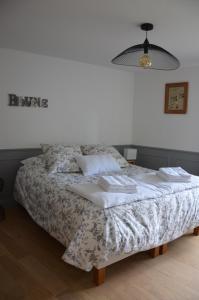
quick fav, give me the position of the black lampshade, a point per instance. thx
(158, 58)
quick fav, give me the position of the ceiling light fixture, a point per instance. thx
(147, 56)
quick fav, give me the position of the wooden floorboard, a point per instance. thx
(31, 268)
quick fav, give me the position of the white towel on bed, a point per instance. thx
(176, 174)
(94, 193)
(98, 196)
(149, 186)
(118, 184)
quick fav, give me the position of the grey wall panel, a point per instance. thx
(149, 157)
(155, 158)
(189, 165)
(151, 161)
(9, 164)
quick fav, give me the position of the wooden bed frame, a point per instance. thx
(99, 274)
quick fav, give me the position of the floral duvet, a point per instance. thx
(92, 235)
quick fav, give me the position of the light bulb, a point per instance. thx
(145, 61)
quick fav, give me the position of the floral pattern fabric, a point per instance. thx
(93, 236)
(103, 149)
(35, 161)
(60, 158)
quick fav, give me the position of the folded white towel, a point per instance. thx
(118, 189)
(182, 172)
(175, 173)
(149, 186)
(118, 184)
(98, 196)
(173, 178)
(118, 181)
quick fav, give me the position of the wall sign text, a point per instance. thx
(15, 100)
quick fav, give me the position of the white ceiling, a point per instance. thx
(94, 31)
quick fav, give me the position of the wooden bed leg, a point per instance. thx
(99, 275)
(154, 252)
(196, 231)
(163, 249)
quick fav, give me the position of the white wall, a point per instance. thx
(151, 127)
(87, 103)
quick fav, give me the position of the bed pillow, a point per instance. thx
(104, 149)
(61, 159)
(35, 161)
(45, 147)
(96, 164)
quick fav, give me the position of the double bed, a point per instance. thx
(95, 237)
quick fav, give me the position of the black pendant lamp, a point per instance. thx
(147, 56)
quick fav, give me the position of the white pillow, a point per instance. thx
(96, 164)
(104, 149)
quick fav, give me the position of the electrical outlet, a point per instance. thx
(1, 184)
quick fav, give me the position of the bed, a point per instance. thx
(94, 237)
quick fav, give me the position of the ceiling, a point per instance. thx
(94, 31)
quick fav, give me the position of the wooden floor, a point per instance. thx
(31, 268)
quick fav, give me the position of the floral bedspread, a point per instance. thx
(91, 235)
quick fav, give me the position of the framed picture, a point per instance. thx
(176, 98)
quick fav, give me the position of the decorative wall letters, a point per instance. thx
(15, 100)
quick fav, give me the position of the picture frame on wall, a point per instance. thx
(176, 98)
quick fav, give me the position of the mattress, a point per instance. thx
(91, 235)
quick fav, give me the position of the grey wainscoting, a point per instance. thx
(149, 157)
(154, 158)
(9, 164)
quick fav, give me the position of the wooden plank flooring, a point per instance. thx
(31, 268)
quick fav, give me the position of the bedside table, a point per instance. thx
(2, 213)
(132, 162)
